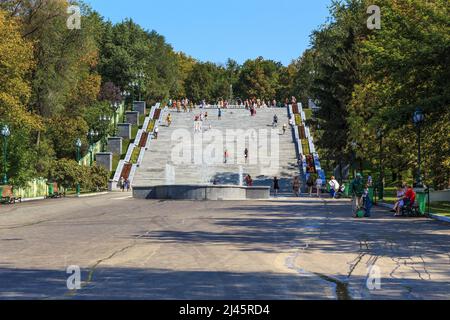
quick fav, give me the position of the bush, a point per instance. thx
(97, 179)
(68, 174)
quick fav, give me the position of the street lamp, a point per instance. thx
(5, 133)
(418, 120)
(92, 135)
(105, 121)
(380, 136)
(115, 107)
(78, 145)
(133, 85)
(354, 145)
(139, 76)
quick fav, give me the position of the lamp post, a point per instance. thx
(354, 145)
(5, 134)
(380, 136)
(132, 85)
(92, 135)
(105, 121)
(418, 120)
(140, 76)
(78, 146)
(125, 95)
(115, 106)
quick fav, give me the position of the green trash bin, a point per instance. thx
(372, 194)
(422, 200)
(347, 189)
(50, 190)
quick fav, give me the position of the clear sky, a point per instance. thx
(215, 30)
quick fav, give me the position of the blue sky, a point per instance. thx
(214, 30)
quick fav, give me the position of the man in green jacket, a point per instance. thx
(357, 191)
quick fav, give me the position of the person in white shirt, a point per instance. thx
(319, 183)
(334, 187)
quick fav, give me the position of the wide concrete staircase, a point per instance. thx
(181, 157)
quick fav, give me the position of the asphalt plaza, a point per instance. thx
(275, 249)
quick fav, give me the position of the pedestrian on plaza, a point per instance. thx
(357, 191)
(246, 155)
(276, 186)
(122, 184)
(334, 187)
(284, 128)
(319, 184)
(220, 114)
(296, 186)
(370, 180)
(127, 184)
(310, 184)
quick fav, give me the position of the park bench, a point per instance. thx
(7, 195)
(410, 209)
(54, 192)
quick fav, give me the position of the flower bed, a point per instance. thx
(135, 155)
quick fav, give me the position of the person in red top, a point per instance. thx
(410, 195)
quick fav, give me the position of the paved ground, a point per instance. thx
(284, 249)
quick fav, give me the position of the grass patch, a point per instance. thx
(134, 131)
(125, 146)
(441, 208)
(142, 120)
(115, 164)
(308, 113)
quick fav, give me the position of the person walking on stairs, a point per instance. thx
(249, 181)
(276, 186)
(296, 186)
(275, 121)
(226, 155)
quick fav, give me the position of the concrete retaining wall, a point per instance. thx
(440, 196)
(199, 192)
